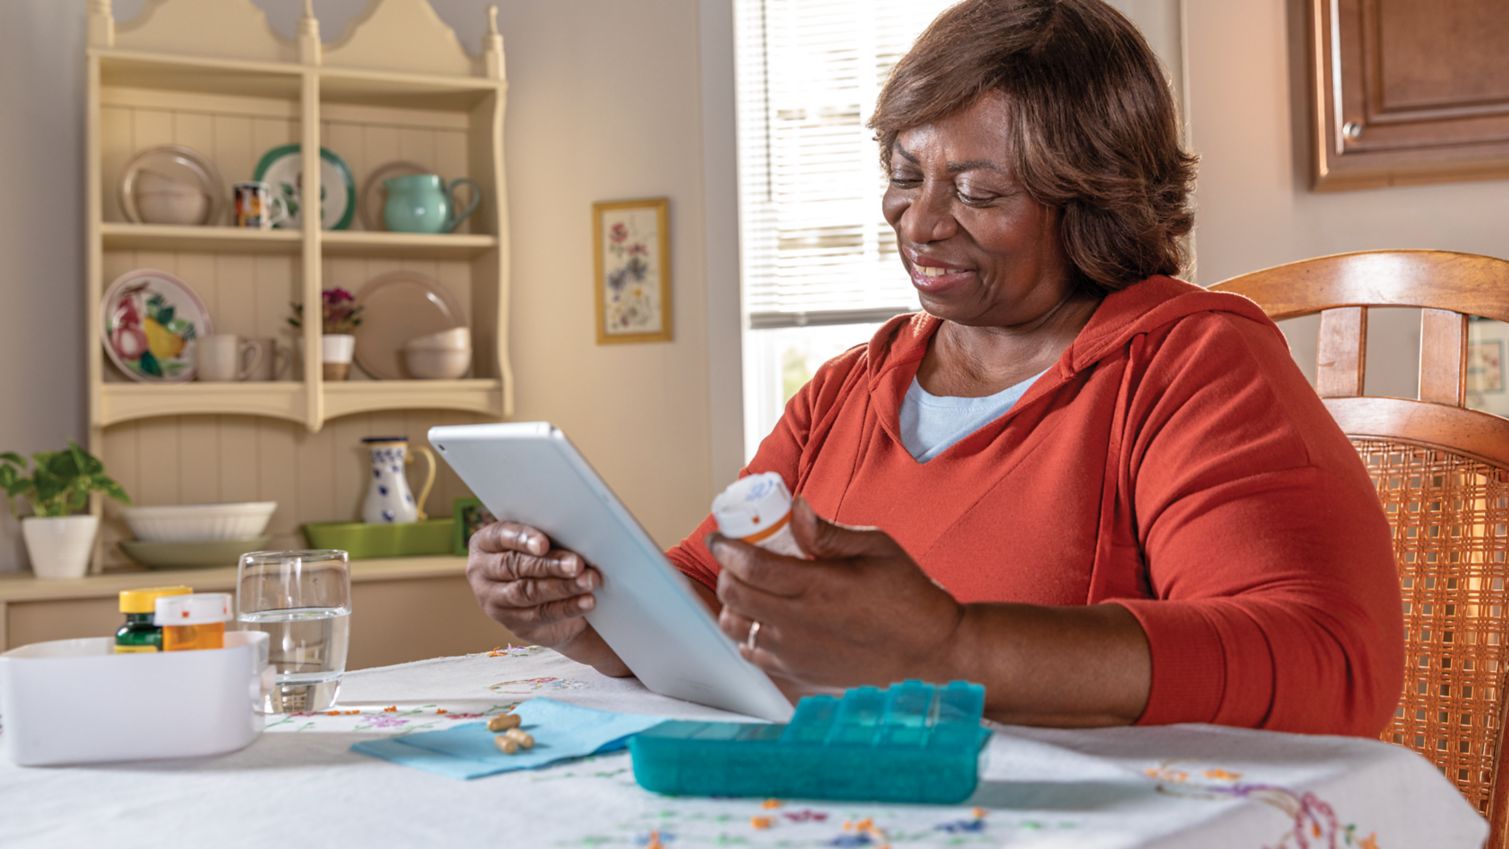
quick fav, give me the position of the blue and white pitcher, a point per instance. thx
(389, 500)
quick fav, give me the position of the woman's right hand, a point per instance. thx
(539, 592)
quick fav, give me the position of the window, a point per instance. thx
(819, 262)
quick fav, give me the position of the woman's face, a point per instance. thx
(979, 249)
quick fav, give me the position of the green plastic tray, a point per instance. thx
(362, 541)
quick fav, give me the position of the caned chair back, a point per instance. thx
(1442, 473)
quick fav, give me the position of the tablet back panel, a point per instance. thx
(528, 472)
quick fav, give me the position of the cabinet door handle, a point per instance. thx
(1351, 130)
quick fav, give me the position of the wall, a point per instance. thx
(604, 103)
(1248, 95)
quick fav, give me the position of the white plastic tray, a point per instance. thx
(76, 701)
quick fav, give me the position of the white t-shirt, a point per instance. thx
(930, 423)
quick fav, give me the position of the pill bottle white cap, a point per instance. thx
(753, 506)
(197, 609)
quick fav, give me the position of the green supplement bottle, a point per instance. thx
(139, 634)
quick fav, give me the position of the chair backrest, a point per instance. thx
(1442, 473)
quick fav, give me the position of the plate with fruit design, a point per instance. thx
(152, 320)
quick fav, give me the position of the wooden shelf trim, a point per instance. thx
(164, 237)
(123, 402)
(25, 587)
(416, 245)
(370, 396)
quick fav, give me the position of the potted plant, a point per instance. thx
(340, 316)
(57, 486)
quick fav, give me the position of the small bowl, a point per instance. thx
(199, 522)
(182, 205)
(454, 339)
(437, 363)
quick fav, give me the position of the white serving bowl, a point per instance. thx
(453, 339)
(199, 522)
(437, 363)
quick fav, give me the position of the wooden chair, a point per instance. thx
(1443, 475)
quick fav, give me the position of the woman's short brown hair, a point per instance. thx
(1094, 132)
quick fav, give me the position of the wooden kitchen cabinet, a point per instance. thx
(1408, 91)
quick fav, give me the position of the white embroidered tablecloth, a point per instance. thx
(300, 785)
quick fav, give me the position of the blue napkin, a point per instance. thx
(561, 731)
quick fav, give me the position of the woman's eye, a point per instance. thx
(904, 180)
(975, 200)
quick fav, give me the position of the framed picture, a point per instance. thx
(1486, 386)
(631, 241)
(469, 515)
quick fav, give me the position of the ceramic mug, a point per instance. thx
(257, 206)
(272, 359)
(424, 203)
(225, 357)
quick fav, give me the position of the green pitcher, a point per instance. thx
(424, 203)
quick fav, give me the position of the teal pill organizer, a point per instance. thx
(911, 742)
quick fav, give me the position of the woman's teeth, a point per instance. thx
(934, 271)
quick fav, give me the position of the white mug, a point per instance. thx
(257, 205)
(272, 359)
(225, 357)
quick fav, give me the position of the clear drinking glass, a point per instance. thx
(302, 601)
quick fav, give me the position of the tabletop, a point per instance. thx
(1175, 786)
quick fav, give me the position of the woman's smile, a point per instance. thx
(935, 276)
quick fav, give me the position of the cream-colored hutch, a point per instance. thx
(212, 75)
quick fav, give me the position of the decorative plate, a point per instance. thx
(152, 320)
(170, 184)
(397, 307)
(375, 194)
(283, 166)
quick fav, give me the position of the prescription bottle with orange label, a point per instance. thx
(139, 634)
(191, 622)
(757, 509)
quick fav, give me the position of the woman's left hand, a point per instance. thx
(861, 611)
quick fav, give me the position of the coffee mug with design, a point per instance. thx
(257, 206)
(272, 359)
(225, 357)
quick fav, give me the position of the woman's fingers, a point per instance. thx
(516, 565)
(775, 574)
(555, 611)
(509, 536)
(531, 592)
(750, 601)
(767, 641)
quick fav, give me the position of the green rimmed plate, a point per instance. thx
(283, 167)
(208, 554)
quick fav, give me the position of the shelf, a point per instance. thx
(404, 90)
(406, 245)
(367, 396)
(217, 579)
(164, 237)
(122, 402)
(200, 75)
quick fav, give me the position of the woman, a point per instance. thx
(1106, 494)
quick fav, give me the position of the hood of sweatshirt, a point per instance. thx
(895, 351)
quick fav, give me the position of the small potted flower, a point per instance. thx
(340, 316)
(57, 486)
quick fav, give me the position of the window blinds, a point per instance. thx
(816, 249)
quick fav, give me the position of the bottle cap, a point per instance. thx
(753, 505)
(197, 609)
(141, 601)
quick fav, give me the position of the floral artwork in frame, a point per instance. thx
(633, 275)
(1486, 384)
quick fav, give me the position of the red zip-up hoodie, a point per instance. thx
(1173, 461)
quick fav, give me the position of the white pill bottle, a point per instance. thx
(757, 509)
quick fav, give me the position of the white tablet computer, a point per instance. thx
(528, 472)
